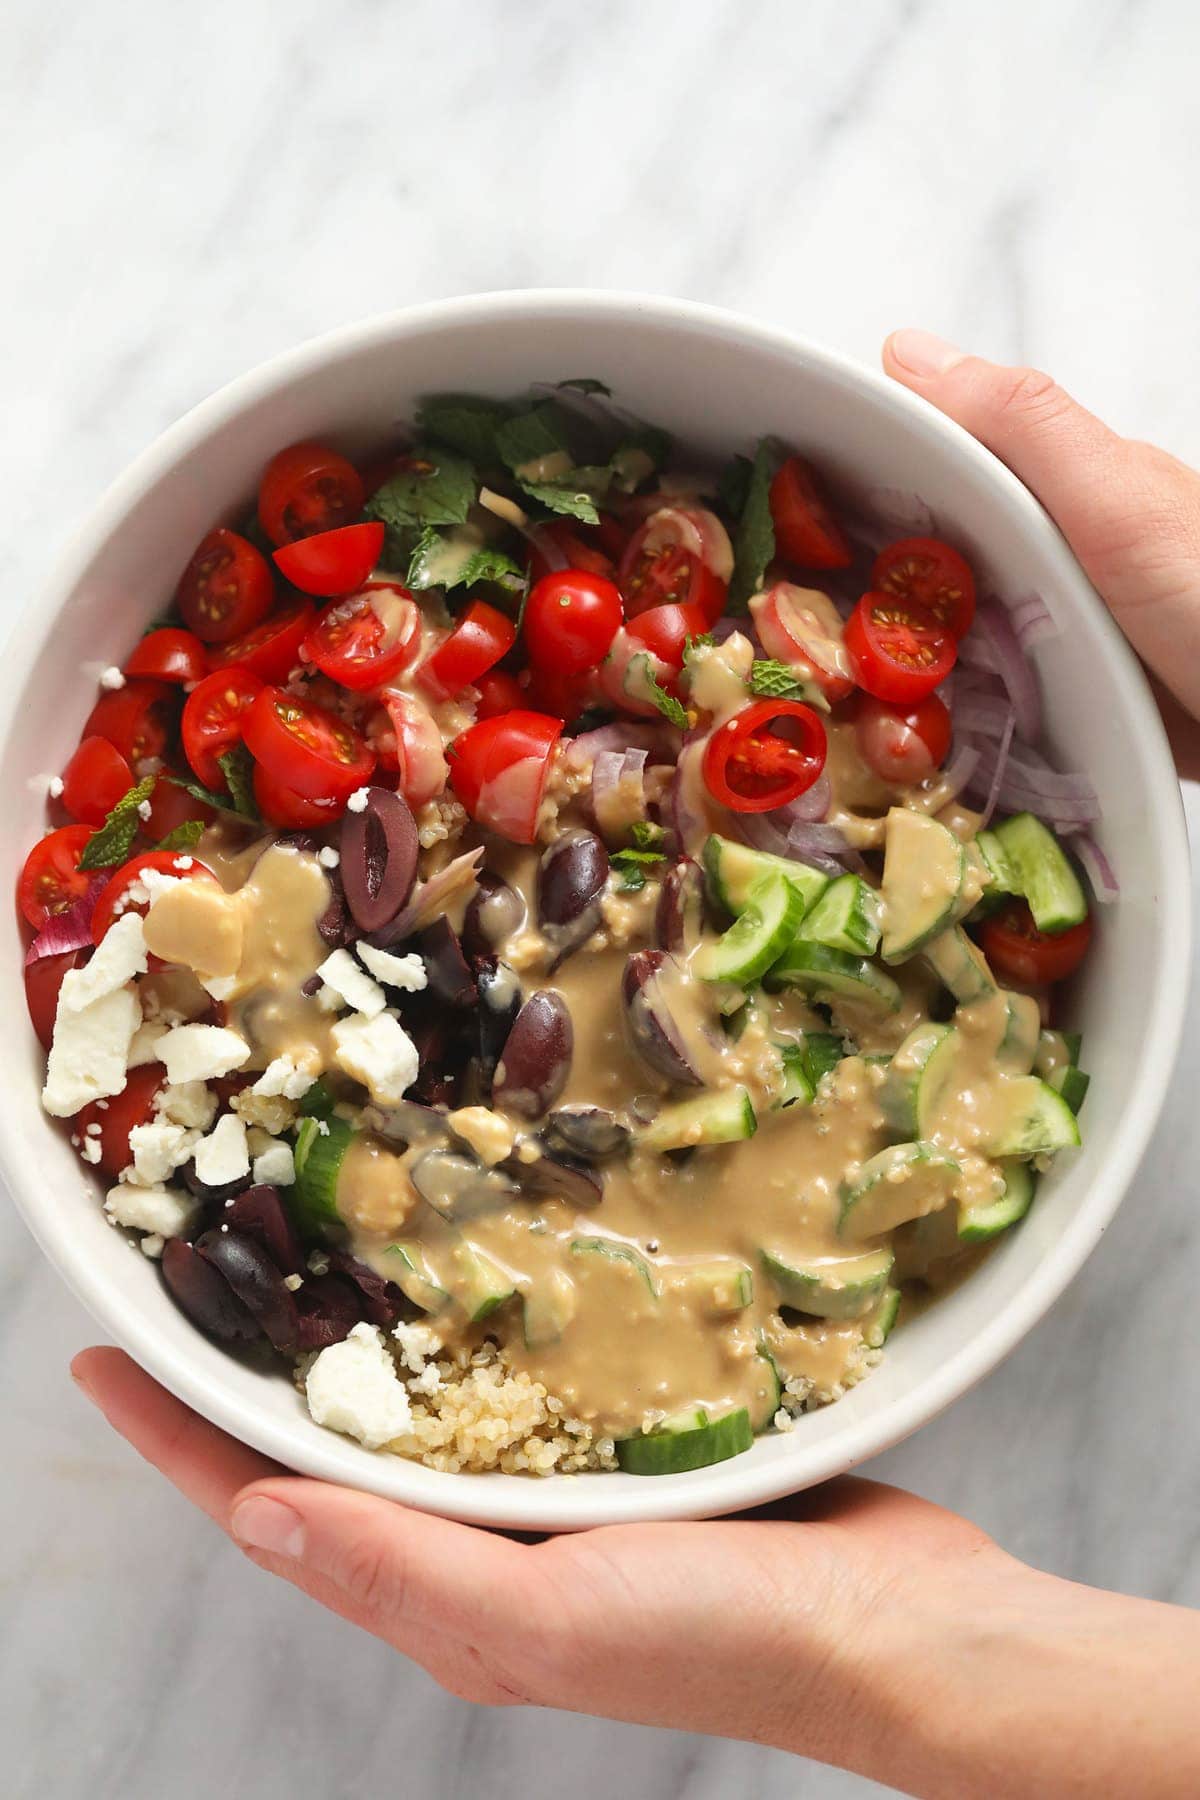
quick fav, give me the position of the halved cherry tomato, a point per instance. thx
(43, 979)
(170, 654)
(272, 650)
(367, 639)
(117, 1117)
(305, 748)
(288, 811)
(380, 470)
(1018, 952)
(571, 541)
(498, 769)
(681, 556)
(803, 628)
(406, 737)
(213, 719)
(51, 879)
(306, 489)
(94, 780)
(481, 637)
(902, 744)
(614, 534)
(765, 756)
(226, 588)
(498, 693)
(172, 806)
(560, 695)
(136, 719)
(806, 532)
(571, 618)
(926, 572)
(665, 630)
(898, 651)
(332, 562)
(114, 899)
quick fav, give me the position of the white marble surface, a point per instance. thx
(186, 190)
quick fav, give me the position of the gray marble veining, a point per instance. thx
(184, 191)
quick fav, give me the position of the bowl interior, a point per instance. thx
(717, 383)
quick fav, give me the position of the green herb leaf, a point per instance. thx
(439, 561)
(667, 704)
(530, 436)
(464, 424)
(586, 384)
(734, 484)
(438, 489)
(641, 455)
(575, 495)
(772, 680)
(754, 539)
(702, 641)
(646, 836)
(631, 865)
(237, 766)
(114, 840)
(184, 837)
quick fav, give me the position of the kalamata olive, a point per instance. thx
(212, 1196)
(410, 1123)
(335, 926)
(655, 1033)
(495, 912)
(564, 1177)
(533, 1069)
(204, 1295)
(255, 1280)
(589, 1132)
(679, 918)
(571, 878)
(450, 979)
(379, 849)
(328, 1307)
(457, 1185)
(382, 1301)
(499, 1003)
(261, 1214)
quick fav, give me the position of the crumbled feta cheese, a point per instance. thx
(159, 1148)
(417, 1344)
(167, 1211)
(185, 862)
(55, 787)
(187, 1103)
(293, 1283)
(328, 857)
(379, 1053)
(112, 678)
(201, 1052)
(89, 1150)
(358, 800)
(490, 1135)
(152, 1245)
(341, 973)
(157, 882)
(406, 972)
(120, 956)
(353, 1387)
(219, 986)
(89, 1056)
(224, 1155)
(144, 1048)
(285, 1076)
(144, 810)
(275, 1166)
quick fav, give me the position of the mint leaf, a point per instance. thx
(646, 836)
(641, 455)
(586, 384)
(575, 495)
(754, 539)
(464, 424)
(237, 766)
(222, 802)
(531, 436)
(667, 704)
(184, 837)
(436, 488)
(114, 840)
(440, 561)
(734, 485)
(702, 641)
(631, 865)
(772, 680)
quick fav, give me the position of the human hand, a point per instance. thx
(1130, 512)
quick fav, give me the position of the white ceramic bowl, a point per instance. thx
(718, 381)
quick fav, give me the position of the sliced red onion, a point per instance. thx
(959, 770)
(1096, 866)
(1031, 620)
(1027, 783)
(811, 806)
(800, 841)
(690, 825)
(979, 713)
(544, 546)
(618, 791)
(998, 768)
(725, 628)
(69, 930)
(430, 898)
(992, 643)
(660, 742)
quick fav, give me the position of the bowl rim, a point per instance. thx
(558, 1503)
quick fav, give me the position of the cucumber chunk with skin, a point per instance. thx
(409, 1270)
(483, 1286)
(1000, 876)
(823, 1050)
(320, 1146)
(1072, 1083)
(846, 917)
(878, 1328)
(1042, 872)
(834, 976)
(917, 1078)
(1037, 1121)
(1022, 1029)
(828, 1288)
(979, 1224)
(672, 1452)
(924, 871)
(723, 1117)
(796, 1088)
(720, 1286)
(618, 1252)
(549, 1305)
(770, 1398)
(960, 966)
(758, 936)
(903, 1182)
(730, 871)
(318, 1102)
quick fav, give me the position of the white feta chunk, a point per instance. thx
(168, 1212)
(89, 1057)
(159, 1148)
(112, 678)
(219, 986)
(187, 1103)
(328, 857)
(120, 956)
(223, 1155)
(275, 1165)
(340, 972)
(353, 1387)
(201, 1052)
(152, 1245)
(358, 800)
(406, 972)
(144, 1048)
(55, 787)
(283, 1075)
(379, 1053)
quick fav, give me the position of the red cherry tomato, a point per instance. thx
(367, 639)
(803, 628)
(51, 879)
(481, 637)
(1018, 952)
(923, 571)
(332, 562)
(226, 588)
(170, 654)
(572, 542)
(571, 618)
(306, 489)
(272, 650)
(498, 693)
(136, 719)
(213, 719)
(114, 899)
(43, 979)
(614, 535)
(806, 532)
(304, 748)
(665, 630)
(94, 780)
(117, 1117)
(409, 744)
(498, 769)
(562, 696)
(681, 556)
(288, 811)
(898, 652)
(902, 744)
(172, 806)
(765, 756)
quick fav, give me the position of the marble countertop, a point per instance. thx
(185, 192)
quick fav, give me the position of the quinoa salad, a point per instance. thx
(559, 947)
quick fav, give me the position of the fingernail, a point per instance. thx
(269, 1525)
(921, 353)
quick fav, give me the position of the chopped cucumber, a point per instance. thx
(549, 1306)
(1022, 1029)
(770, 1398)
(674, 1448)
(924, 868)
(1042, 873)
(846, 917)
(999, 874)
(917, 1078)
(412, 1275)
(483, 1285)
(797, 1089)
(1039, 1121)
(1054, 1052)
(732, 869)
(1072, 1084)
(835, 975)
(903, 1182)
(320, 1146)
(723, 1117)
(823, 1050)
(318, 1102)
(959, 965)
(977, 1224)
(617, 1252)
(830, 1289)
(759, 935)
(878, 1328)
(720, 1286)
